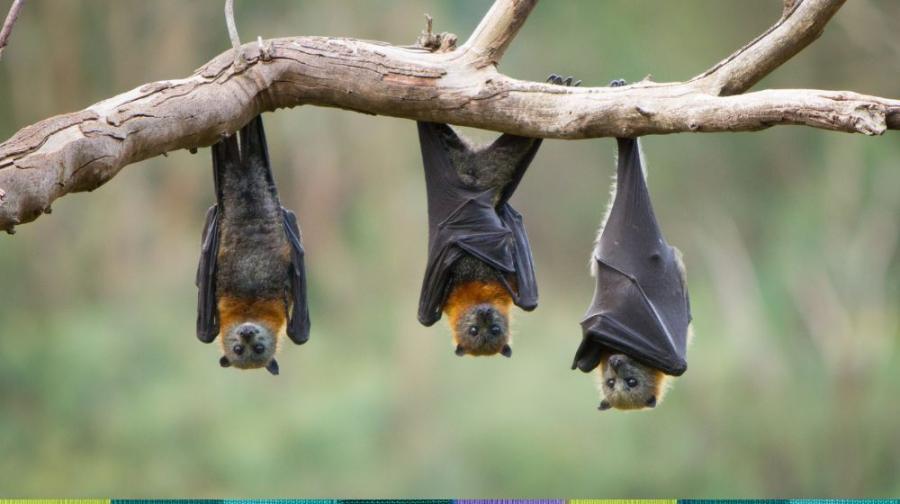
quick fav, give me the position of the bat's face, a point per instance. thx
(482, 329)
(249, 345)
(627, 384)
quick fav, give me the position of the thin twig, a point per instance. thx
(8, 24)
(233, 34)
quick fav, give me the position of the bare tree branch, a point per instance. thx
(802, 23)
(8, 24)
(496, 31)
(82, 150)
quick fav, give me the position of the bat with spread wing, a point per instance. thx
(251, 276)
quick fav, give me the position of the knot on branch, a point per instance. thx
(436, 42)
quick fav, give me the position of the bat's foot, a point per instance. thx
(618, 83)
(567, 81)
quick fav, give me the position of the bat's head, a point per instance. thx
(629, 385)
(482, 329)
(249, 345)
(249, 332)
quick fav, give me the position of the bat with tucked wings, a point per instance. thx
(638, 325)
(251, 275)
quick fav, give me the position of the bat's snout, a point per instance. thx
(247, 331)
(616, 362)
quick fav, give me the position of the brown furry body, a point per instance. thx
(254, 258)
(478, 305)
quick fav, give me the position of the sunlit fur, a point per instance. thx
(267, 316)
(480, 304)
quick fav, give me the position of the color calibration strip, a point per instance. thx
(450, 501)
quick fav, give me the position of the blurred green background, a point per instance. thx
(790, 237)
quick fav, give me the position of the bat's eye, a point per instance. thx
(611, 383)
(258, 348)
(238, 349)
(473, 330)
(631, 382)
(495, 330)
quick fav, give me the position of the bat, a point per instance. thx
(251, 274)
(637, 326)
(479, 258)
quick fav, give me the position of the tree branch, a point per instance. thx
(82, 150)
(802, 23)
(8, 24)
(496, 31)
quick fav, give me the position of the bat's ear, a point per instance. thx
(224, 362)
(272, 367)
(604, 405)
(651, 403)
(460, 351)
(506, 351)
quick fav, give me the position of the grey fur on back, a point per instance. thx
(253, 255)
(487, 166)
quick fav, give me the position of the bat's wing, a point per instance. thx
(207, 311)
(465, 220)
(526, 294)
(640, 304)
(298, 324)
(225, 152)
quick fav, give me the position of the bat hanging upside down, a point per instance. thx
(637, 328)
(251, 274)
(479, 258)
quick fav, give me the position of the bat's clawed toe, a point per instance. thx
(618, 83)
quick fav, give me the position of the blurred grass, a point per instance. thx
(790, 237)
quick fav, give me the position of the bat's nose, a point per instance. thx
(247, 332)
(616, 362)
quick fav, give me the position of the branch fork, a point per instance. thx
(82, 150)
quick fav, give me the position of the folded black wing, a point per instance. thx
(224, 152)
(465, 220)
(640, 306)
(298, 323)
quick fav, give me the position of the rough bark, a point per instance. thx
(82, 150)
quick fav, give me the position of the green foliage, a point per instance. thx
(790, 238)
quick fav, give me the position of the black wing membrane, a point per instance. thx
(640, 306)
(207, 312)
(224, 152)
(298, 324)
(464, 220)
